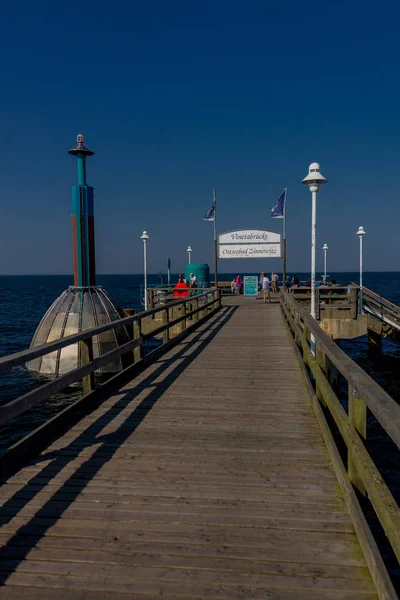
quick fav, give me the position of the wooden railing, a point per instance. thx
(381, 308)
(325, 364)
(159, 292)
(331, 301)
(170, 322)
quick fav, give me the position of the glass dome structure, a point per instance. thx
(75, 310)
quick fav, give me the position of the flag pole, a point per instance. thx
(215, 239)
(284, 239)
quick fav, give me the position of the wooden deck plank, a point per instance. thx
(205, 477)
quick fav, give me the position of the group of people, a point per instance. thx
(291, 282)
(183, 287)
(237, 285)
(267, 285)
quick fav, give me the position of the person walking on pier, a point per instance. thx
(274, 282)
(265, 288)
(239, 283)
(181, 288)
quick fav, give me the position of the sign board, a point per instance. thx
(249, 243)
(250, 285)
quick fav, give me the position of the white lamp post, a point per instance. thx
(314, 179)
(145, 237)
(189, 251)
(361, 234)
(325, 248)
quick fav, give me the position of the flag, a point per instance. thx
(278, 212)
(210, 214)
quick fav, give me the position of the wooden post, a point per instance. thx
(165, 321)
(150, 298)
(180, 311)
(86, 352)
(320, 357)
(209, 299)
(317, 304)
(374, 341)
(137, 333)
(333, 376)
(358, 418)
(353, 299)
(201, 313)
(194, 306)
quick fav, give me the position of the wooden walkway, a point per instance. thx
(205, 477)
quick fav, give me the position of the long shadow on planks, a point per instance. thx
(27, 536)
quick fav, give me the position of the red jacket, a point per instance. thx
(181, 289)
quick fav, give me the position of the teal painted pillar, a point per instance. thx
(83, 220)
(81, 160)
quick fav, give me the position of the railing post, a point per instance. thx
(317, 304)
(195, 317)
(181, 310)
(150, 298)
(358, 418)
(321, 359)
(86, 351)
(209, 298)
(353, 299)
(202, 313)
(165, 321)
(137, 333)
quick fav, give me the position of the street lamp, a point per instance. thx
(325, 248)
(189, 251)
(361, 234)
(314, 179)
(145, 237)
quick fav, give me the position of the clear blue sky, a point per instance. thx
(176, 98)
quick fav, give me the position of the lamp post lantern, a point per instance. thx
(325, 248)
(189, 251)
(145, 237)
(314, 179)
(361, 234)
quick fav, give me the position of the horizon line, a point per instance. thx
(165, 273)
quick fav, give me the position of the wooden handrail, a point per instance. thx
(385, 409)
(363, 392)
(209, 301)
(20, 358)
(371, 297)
(380, 298)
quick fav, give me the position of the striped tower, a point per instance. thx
(83, 305)
(83, 220)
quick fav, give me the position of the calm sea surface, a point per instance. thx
(25, 299)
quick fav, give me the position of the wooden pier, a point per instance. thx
(207, 475)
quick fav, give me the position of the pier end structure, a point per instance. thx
(83, 305)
